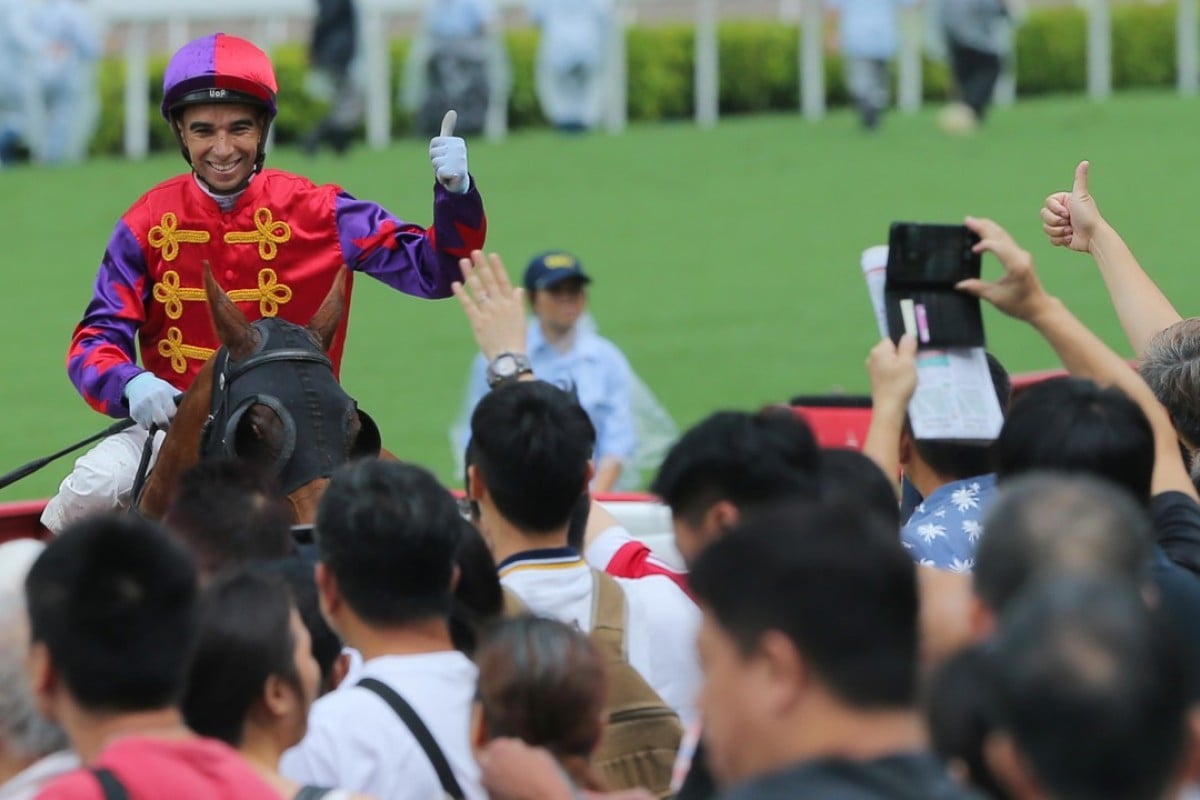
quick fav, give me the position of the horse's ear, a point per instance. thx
(328, 318)
(233, 329)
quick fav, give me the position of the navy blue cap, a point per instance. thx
(551, 267)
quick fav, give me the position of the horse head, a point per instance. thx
(269, 395)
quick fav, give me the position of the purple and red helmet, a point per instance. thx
(219, 69)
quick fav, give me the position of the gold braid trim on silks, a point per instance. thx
(172, 347)
(270, 294)
(167, 236)
(268, 234)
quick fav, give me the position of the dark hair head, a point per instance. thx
(1073, 425)
(478, 598)
(388, 532)
(544, 683)
(1046, 523)
(848, 476)
(785, 568)
(245, 638)
(229, 511)
(1094, 689)
(298, 575)
(747, 459)
(961, 716)
(1170, 365)
(531, 443)
(114, 601)
(959, 460)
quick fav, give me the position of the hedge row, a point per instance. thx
(759, 71)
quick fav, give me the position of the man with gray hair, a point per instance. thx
(33, 751)
(1171, 366)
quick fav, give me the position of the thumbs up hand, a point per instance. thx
(448, 154)
(1071, 219)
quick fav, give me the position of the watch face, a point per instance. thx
(505, 366)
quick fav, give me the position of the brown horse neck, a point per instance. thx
(181, 447)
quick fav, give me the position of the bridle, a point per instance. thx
(296, 381)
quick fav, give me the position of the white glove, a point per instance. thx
(448, 154)
(151, 400)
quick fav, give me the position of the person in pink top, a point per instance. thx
(112, 614)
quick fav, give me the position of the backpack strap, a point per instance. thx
(513, 606)
(311, 793)
(112, 788)
(608, 615)
(424, 738)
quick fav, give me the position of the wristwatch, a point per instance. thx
(507, 367)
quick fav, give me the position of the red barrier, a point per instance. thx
(837, 421)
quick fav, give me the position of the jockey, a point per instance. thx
(275, 241)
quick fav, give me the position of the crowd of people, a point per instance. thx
(1017, 629)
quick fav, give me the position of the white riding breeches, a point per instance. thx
(102, 479)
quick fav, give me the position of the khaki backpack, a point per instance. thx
(643, 734)
(642, 738)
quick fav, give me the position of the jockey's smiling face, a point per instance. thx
(222, 141)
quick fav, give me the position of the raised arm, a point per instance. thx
(893, 370)
(415, 260)
(1073, 220)
(1019, 294)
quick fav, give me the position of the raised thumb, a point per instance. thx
(1081, 179)
(448, 123)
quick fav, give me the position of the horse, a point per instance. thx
(268, 394)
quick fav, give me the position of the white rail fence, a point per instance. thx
(185, 19)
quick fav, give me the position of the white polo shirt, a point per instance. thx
(356, 741)
(661, 625)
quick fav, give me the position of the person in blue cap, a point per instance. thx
(563, 348)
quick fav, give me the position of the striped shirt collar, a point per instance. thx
(544, 558)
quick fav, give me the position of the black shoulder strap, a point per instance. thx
(311, 793)
(424, 738)
(112, 788)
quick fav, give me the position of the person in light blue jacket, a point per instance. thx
(70, 48)
(564, 349)
(572, 60)
(868, 36)
(20, 46)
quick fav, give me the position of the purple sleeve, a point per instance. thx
(418, 261)
(102, 356)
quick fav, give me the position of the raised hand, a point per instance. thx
(448, 154)
(495, 309)
(1018, 293)
(893, 371)
(1070, 219)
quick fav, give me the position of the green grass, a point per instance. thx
(726, 261)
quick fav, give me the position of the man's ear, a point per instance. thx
(721, 516)
(476, 489)
(276, 696)
(329, 595)
(43, 679)
(591, 473)
(1010, 768)
(785, 670)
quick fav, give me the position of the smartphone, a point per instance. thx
(931, 255)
